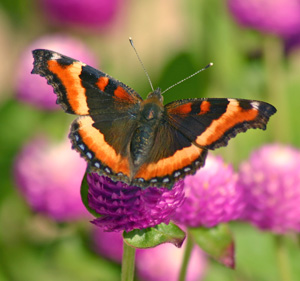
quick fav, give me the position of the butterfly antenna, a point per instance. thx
(131, 43)
(209, 65)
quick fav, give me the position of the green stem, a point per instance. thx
(128, 260)
(276, 88)
(186, 258)
(282, 259)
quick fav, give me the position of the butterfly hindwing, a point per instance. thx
(171, 158)
(210, 123)
(106, 149)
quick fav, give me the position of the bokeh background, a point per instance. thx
(45, 232)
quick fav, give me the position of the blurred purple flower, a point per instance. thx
(212, 196)
(94, 14)
(292, 43)
(280, 17)
(164, 261)
(125, 207)
(271, 180)
(49, 177)
(108, 244)
(34, 89)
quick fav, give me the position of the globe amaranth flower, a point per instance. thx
(271, 180)
(164, 261)
(108, 244)
(160, 263)
(125, 207)
(33, 89)
(93, 14)
(280, 17)
(212, 196)
(49, 176)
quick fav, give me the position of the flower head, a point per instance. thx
(125, 207)
(271, 180)
(33, 89)
(93, 14)
(212, 196)
(280, 17)
(49, 177)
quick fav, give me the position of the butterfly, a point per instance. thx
(142, 142)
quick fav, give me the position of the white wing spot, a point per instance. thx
(107, 170)
(255, 104)
(89, 155)
(166, 180)
(55, 56)
(187, 169)
(81, 146)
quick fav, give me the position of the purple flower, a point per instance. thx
(33, 89)
(271, 180)
(280, 17)
(163, 263)
(125, 207)
(49, 177)
(108, 244)
(213, 196)
(93, 14)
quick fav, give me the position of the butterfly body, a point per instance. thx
(142, 142)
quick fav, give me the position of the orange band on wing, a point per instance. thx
(123, 95)
(233, 116)
(95, 142)
(205, 107)
(181, 109)
(69, 77)
(102, 83)
(167, 166)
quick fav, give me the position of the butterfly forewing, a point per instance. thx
(82, 89)
(210, 123)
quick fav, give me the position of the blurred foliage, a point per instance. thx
(35, 248)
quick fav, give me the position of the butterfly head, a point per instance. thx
(156, 96)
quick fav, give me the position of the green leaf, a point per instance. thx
(217, 242)
(84, 190)
(154, 236)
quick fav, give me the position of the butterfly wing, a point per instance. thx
(210, 123)
(107, 109)
(80, 88)
(191, 127)
(171, 158)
